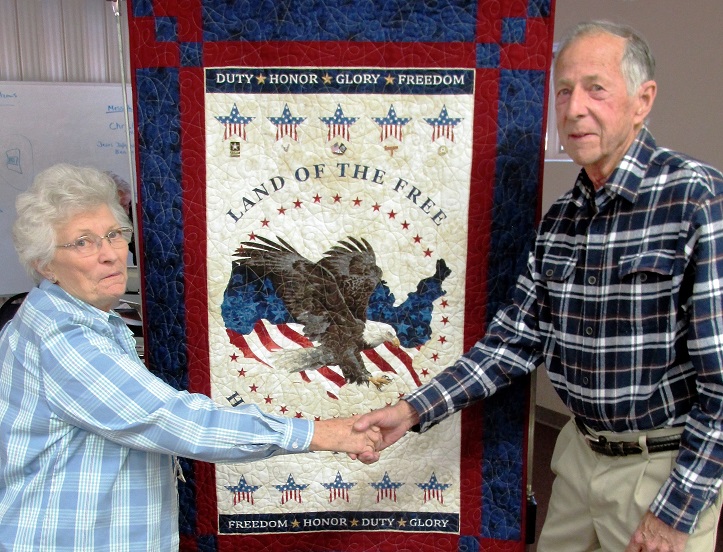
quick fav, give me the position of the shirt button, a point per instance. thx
(549, 272)
(643, 277)
(585, 380)
(592, 280)
(295, 445)
(588, 330)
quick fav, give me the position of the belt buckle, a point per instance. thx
(616, 448)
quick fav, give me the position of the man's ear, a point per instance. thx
(645, 99)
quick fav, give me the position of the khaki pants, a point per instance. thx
(598, 501)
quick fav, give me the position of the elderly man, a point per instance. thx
(622, 301)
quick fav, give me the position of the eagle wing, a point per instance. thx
(354, 267)
(310, 293)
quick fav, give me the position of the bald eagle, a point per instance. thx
(329, 298)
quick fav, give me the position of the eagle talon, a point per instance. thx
(379, 381)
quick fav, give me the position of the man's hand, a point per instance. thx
(339, 435)
(392, 421)
(653, 535)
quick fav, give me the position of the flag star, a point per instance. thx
(392, 214)
(417, 238)
(268, 399)
(445, 320)
(435, 357)
(234, 357)
(265, 222)
(337, 198)
(281, 210)
(317, 198)
(283, 409)
(252, 236)
(242, 373)
(442, 339)
(254, 388)
(376, 207)
(389, 79)
(299, 415)
(261, 79)
(326, 78)
(297, 204)
(428, 252)
(444, 303)
(405, 225)
(357, 202)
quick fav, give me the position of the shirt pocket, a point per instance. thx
(556, 268)
(645, 306)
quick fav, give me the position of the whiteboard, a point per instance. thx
(42, 124)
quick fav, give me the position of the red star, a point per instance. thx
(317, 418)
(317, 198)
(356, 202)
(445, 320)
(299, 415)
(264, 222)
(297, 204)
(252, 236)
(405, 225)
(425, 373)
(376, 206)
(392, 214)
(242, 373)
(417, 238)
(234, 357)
(337, 198)
(268, 399)
(442, 339)
(281, 210)
(444, 303)
(284, 410)
(435, 357)
(400, 395)
(254, 388)
(428, 252)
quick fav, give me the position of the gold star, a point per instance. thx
(326, 78)
(261, 79)
(354, 522)
(389, 79)
(402, 522)
(295, 524)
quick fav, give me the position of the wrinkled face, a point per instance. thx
(98, 279)
(597, 120)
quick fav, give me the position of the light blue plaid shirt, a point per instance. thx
(88, 434)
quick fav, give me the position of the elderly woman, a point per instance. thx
(88, 436)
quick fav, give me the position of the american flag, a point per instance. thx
(234, 124)
(391, 125)
(443, 125)
(338, 125)
(434, 489)
(290, 490)
(286, 124)
(338, 488)
(267, 339)
(386, 488)
(243, 491)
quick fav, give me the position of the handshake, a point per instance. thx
(364, 437)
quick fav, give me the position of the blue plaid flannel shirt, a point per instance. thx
(622, 301)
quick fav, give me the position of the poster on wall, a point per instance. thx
(335, 198)
(346, 189)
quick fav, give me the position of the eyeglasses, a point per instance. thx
(90, 244)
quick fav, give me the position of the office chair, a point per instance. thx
(10, 307)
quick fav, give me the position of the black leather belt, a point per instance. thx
(602, 445)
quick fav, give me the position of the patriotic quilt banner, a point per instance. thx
(335, 198)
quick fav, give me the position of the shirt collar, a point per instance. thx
(626, 179)
(57, 291)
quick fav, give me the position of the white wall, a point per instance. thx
(688, 111)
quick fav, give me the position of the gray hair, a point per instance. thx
(56, 195)
(638, 64)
